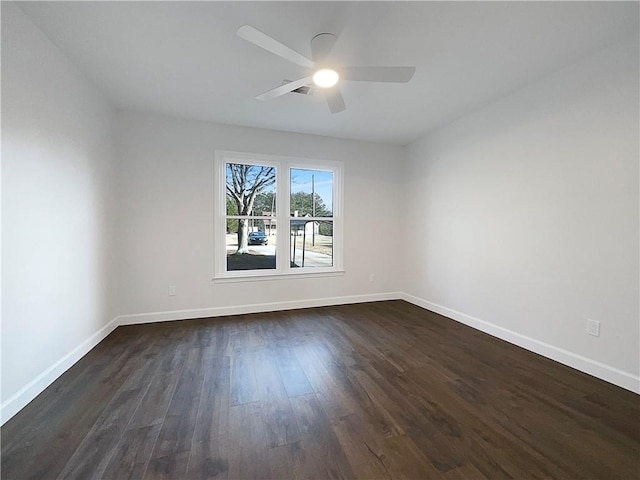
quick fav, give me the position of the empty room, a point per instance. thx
(356, 240)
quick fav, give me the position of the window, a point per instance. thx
(276, 216)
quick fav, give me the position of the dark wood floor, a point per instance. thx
(377, 390)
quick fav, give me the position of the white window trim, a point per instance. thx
(283, 166)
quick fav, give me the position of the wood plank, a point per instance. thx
(243, 378)
(319, 454)
(247, 443)
(96, 450)
(170, 456)
(361, 449)
(334, 403)
(277, 416)
(293, 377)
(208, 456)
(131, 455)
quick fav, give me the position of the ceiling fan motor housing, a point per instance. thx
(321, 46)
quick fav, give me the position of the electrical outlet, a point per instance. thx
(593, 327)
(172, 290)
(372, 277)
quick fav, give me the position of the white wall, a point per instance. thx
(57, 212)
(524, 216)
(167, 234)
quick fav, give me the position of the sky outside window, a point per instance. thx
(305, 181)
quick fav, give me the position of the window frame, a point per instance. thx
(283, 165)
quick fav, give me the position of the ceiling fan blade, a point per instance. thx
(286, 88)
(335, 100)
(321, 46)
(378, 74)
(272, 45)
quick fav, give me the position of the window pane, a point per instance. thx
(311, 243)
(251, 189)
(311, 193)
(249, 245)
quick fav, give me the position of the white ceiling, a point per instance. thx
(184, 59)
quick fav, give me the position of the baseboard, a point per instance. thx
(604, 372)
(22, 397)
(139, 318)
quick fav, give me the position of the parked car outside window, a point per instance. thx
(258, 238)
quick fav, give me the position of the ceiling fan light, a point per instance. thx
(325, 78)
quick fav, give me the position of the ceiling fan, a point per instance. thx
(324, 74)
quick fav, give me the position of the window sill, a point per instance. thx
(277, 276)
